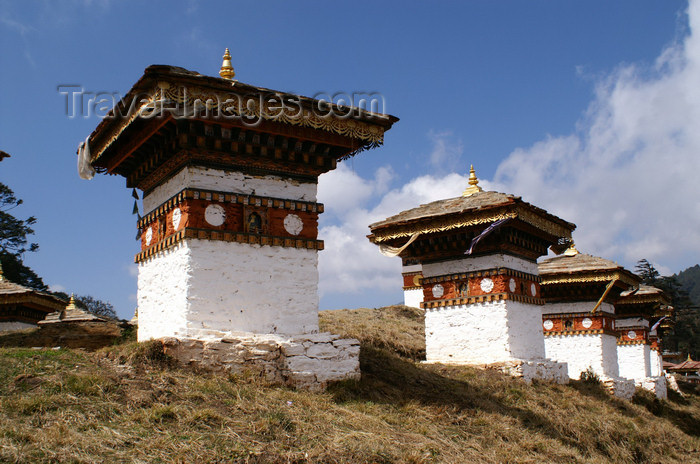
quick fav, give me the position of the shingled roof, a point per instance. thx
(643, 294)
(477, 208)
(163, 83)
(12, 293)
(581, 267)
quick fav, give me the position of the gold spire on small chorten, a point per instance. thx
(571, 251)
(473, 183)
(226, 70)
(71, 303)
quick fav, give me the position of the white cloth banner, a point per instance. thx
(85, 169)
(391, 251)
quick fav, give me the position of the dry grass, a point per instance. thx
(397, 328)
(128, 403)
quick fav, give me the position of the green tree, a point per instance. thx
(14, 242)
(14, 270)
(91, 304)
(14, 232)
(95, 306)
(685, 336)
(647, 272)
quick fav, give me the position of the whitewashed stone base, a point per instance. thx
(656, 385)
(581, 352)
(634, 361)
(656, 364)
(413, 297)
(484, 333)
(308, 361)
(202, 285)
(504, 335)
(619, 387)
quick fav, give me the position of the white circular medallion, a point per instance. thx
(149, 236)
(631, 335)
(533, 289)
(177, 216)
(548, 324)
(486, 285)
(293, 224)
(586, 322)
(438, 290)
(215, 215)
(511, 285)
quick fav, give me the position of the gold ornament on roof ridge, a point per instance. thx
(473, 183)
(571, 251)
(71, 303)
(226, 70)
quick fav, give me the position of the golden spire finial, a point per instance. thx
(2, 274)
(473, 183)
(226, 70)
(71, 303)
(571, 251)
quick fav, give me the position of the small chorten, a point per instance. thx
(226, 70)
(473, 184)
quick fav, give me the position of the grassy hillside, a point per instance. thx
(128, 403)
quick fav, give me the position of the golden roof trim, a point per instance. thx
(442, 224)
(589, 276)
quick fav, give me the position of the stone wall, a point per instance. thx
(85, 335)
(15, 325)
(309, 361)
(656, 385)
(200, 286)
(619, 387)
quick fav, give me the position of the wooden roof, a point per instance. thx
(171, 84)
(12, 293)
(687, 365)
(477, 208)
(644, 294)
(581, 268)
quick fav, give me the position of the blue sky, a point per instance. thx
(554, 100)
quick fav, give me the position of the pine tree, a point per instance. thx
(685, 336)
(14, 242)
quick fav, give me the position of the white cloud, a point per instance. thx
(446, 153)
(627, 176)
(350, 263)
(57, 288)
(132, 269)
